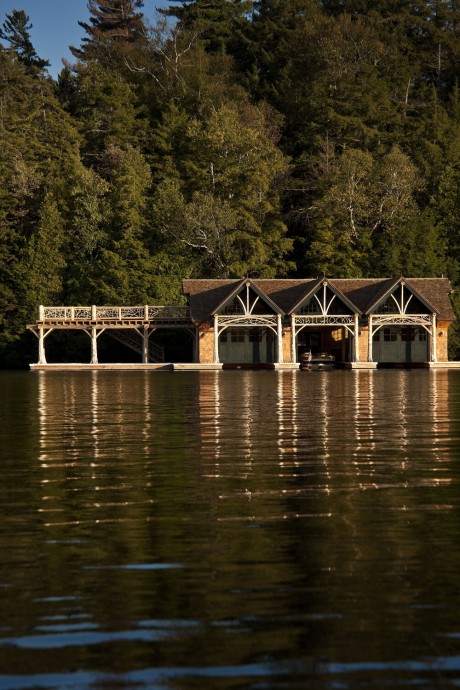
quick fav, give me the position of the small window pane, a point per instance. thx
(390, 335)
(407, 335)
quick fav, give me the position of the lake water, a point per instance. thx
(230, 530)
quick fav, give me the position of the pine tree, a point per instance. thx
(112, 20)
(216, 21)
(16, 31)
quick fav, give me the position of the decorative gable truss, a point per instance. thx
(402, 305)
(325, 305)
(247, 306)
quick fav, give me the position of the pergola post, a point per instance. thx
(434, 356)
(369, 354)
(293, 341)
(356, 340)
(94, 345)
(41, 346)
(216, 339)
(279, 338)
(145, 345)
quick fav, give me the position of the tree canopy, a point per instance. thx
(229, 137)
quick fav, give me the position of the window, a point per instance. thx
(312, 307)
(255, 335)
(238, 335)
(388, 307)
(408, 334)
(390, 335)
(422, 335)
(234, 308)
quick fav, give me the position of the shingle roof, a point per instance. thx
(206, 295)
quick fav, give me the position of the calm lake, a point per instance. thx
(232, 529)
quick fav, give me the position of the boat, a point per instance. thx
(323, 360)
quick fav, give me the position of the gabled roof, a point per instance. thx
(205, 296)
(236, 291)
(337, 292)
(380, 299)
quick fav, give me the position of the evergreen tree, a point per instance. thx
(218, 22)
(16, 31)
(111, 20)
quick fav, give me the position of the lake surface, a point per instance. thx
(230, 530)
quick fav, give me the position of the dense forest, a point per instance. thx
(271, 138)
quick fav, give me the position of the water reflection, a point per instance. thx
(230, 529)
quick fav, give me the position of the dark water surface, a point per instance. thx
(256, 530)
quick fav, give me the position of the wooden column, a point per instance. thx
(369, 355)
(279, 338)
(293, 341)
(196, 346)
(94, 345)
(145, 345)
(41, 346)
(356, 340)
(434, 354)
(216, 339)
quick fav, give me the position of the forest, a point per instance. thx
(273, 138)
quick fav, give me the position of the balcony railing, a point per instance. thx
(95, 313)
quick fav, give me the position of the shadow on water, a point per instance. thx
(228, 529)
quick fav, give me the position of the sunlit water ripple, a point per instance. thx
(221, 530)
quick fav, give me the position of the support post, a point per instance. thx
(41, 312)
(41, 346)
(94, 346)
(279, 338)
(196, 346)
(145, 345)
(434, 354)
(369, 355)
(93, 312)
(356, 340)
(293, 341)
(146, 312)
(216, 339)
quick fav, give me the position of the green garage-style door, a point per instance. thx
(247, 346)
(400, 345)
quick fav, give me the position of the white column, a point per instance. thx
(280, 338)
(93, 312)
(145, 346)
(293, 341)
(41, 312)
(369, 356)
(216, 339)
(93, 346)
(356, 340)
(146, 312)
(434, 354)
(41, 346)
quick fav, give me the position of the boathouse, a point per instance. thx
(396, 320)
(363, 323)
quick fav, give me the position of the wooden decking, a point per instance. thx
(95, 320)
